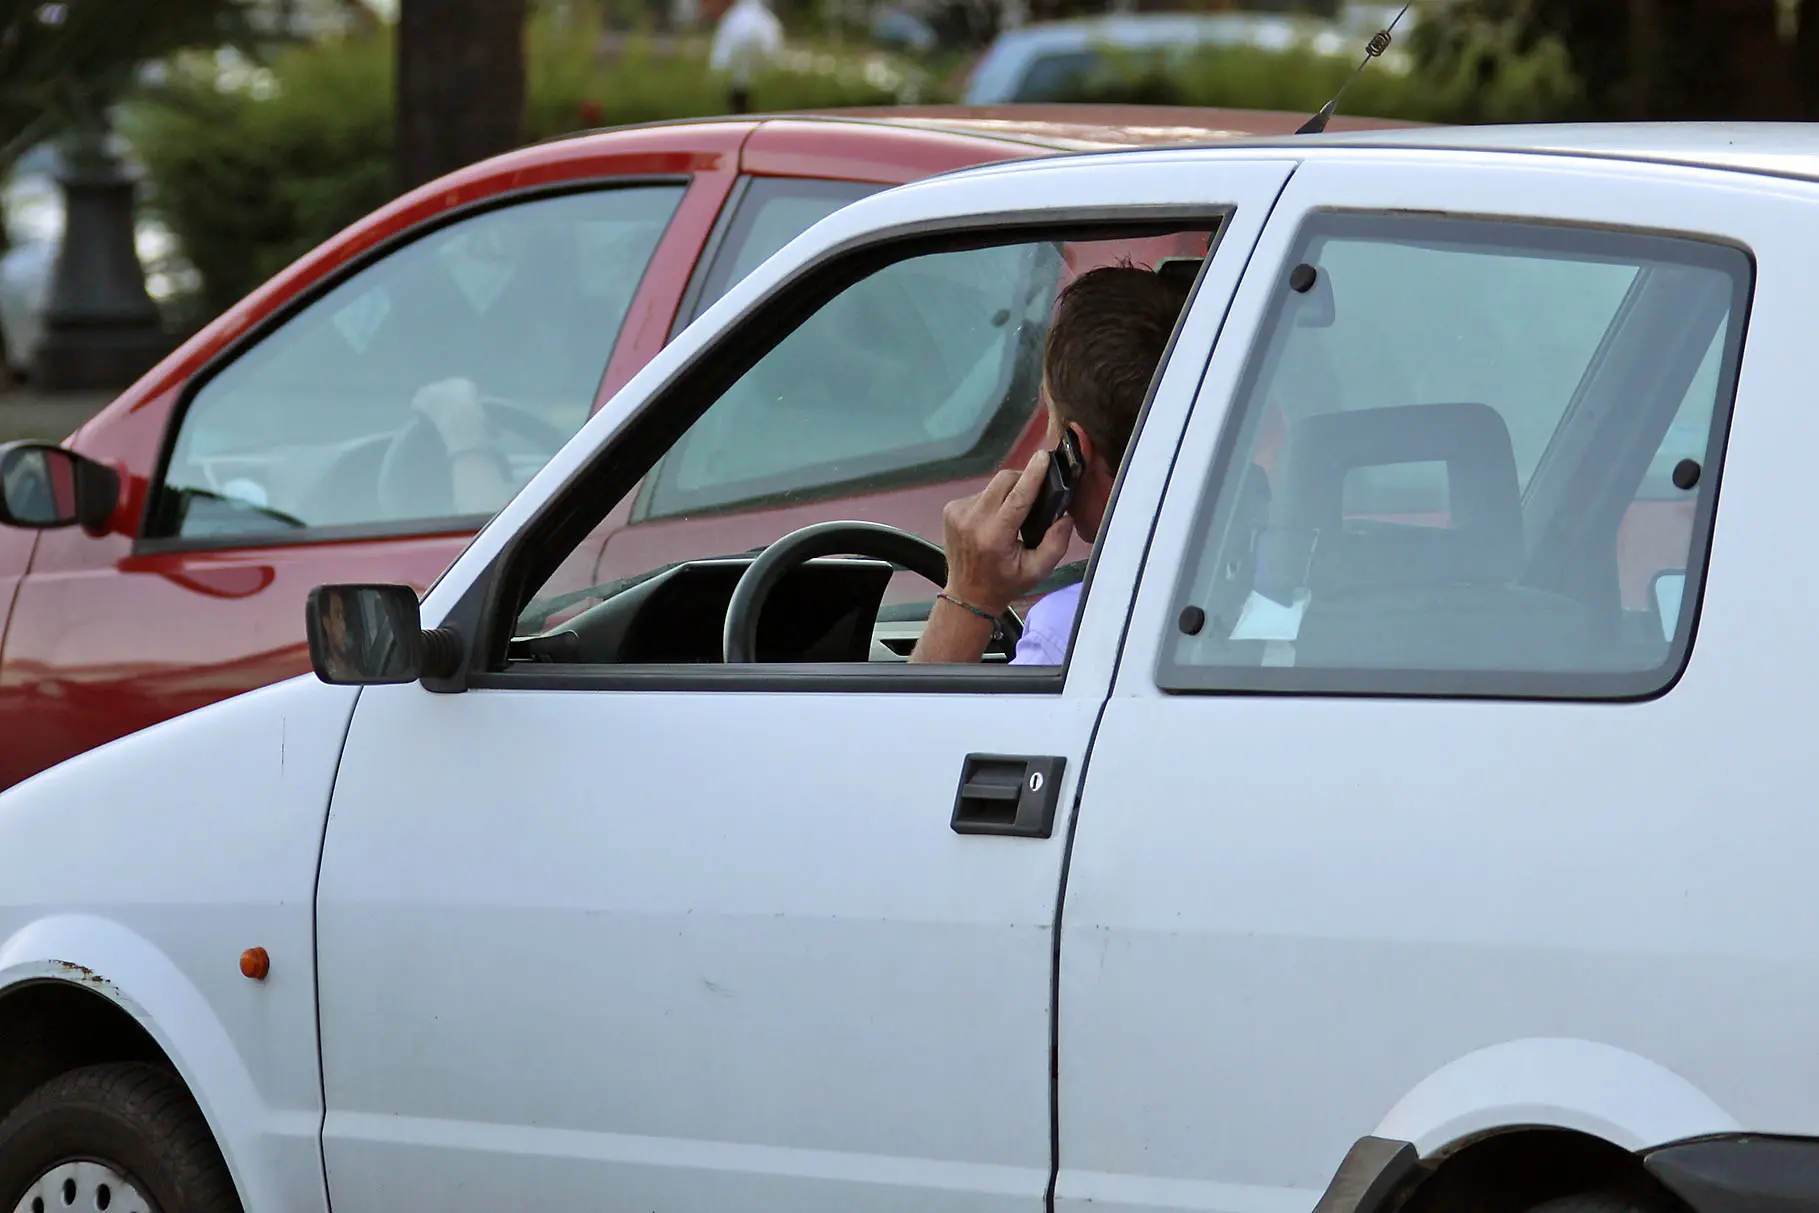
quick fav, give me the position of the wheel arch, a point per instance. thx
(1514, 1125)
(1581, 1086)
(127, 999)
(1521, 1167)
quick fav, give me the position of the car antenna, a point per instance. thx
(1380, 42)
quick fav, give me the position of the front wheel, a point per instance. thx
(118, 1138)
(1601, 1201)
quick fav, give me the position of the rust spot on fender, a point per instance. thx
(82, 973)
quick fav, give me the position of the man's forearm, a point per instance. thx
(954, 636)
(479, 481)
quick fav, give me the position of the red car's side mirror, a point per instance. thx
(43, 486)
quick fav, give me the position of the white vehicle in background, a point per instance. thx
(1052, 60)
(1420, 820)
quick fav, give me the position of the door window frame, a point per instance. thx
(715, 249)
(145, 544)
(563, 521)
(1174, 676)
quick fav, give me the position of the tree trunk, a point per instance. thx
(1644, 61)
(1805, 69)
(1729, 62)
(460, 89)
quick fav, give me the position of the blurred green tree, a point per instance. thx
(1668, 60)
(63, 64)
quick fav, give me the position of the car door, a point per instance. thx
(643, 930)
(1398, 708)
(298, 457)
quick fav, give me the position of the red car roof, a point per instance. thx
(1093, 127)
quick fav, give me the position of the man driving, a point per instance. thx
(479, 476)
(1110, 329)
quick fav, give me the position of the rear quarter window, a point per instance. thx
(1452, 465)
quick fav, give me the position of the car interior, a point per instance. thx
(1457, 561)
(835, 591)
(1394, 535)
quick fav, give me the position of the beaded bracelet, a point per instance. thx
(967, 606)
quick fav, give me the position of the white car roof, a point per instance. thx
(1782, 149)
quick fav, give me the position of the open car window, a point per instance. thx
(1465, 450)
(921, 371)
(893, 392)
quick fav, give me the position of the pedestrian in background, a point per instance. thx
(748, 38)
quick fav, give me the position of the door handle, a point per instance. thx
(1010, 794)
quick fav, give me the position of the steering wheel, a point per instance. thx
(414, 477)
(901, 548)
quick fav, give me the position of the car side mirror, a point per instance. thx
(44, 487)
(1665, 593)
(373, 635)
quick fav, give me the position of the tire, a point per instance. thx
(123, 1137)
(1603, 1200)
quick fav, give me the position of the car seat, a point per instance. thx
(1397, 596)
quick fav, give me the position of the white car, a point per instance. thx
(1421, 819)
(1052, 60)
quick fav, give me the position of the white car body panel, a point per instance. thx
(559, 1006)
(188, 843)
(1460, 896)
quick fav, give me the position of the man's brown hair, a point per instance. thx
(1110, 329)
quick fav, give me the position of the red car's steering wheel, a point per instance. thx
(414, 476)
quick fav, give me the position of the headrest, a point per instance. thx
(1181, 271)
(1481, 542)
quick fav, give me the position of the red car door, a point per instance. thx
(281, 449)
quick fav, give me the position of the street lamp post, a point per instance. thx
(101, 328)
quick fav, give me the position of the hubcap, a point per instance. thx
(83, 1187)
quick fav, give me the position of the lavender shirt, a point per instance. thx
(1048, 628)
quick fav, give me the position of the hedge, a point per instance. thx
(1489, 80)
(252, 168)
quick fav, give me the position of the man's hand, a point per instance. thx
(987, 564)
(476, 468)
(453, 406)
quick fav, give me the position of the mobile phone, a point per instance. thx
(1057, 493)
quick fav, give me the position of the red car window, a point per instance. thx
(432, 384)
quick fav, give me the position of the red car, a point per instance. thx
(279, 449)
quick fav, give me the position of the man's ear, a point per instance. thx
(1089, 453)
